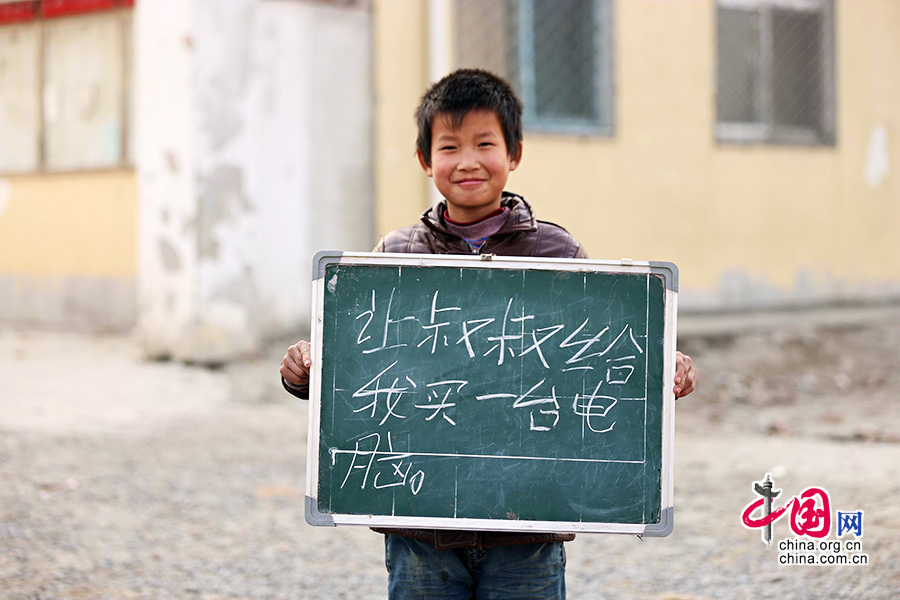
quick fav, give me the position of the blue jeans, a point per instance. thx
(418, 571)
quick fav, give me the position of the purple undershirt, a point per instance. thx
(477, 232)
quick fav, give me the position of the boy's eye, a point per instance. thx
(447, 148)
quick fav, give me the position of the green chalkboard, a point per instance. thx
(492, 393)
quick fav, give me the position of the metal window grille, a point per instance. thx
(775, 71)
(556, 53)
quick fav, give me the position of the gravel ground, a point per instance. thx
(126, 479)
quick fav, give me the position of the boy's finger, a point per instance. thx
(296, 357)
(300, 353)
(289, 367)
(690, 381)
(290, 376)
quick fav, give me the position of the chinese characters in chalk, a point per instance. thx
(610, 356)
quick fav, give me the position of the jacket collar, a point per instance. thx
(521, 216)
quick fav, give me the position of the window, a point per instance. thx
(775, 71)
(64, 87)
(556, 53)
(19, 93)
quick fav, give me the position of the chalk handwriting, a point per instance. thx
(524, 401)
(555, 372)
(594, 406)
(392, 469)
(434, 326)
(388, 321)
(442, 405)
(392, 394)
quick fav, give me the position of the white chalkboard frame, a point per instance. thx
(669, 273)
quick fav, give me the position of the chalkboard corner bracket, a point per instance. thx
(668, 270)
(316, 518)
(322, 259)
(665, 526)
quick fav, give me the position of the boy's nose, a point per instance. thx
(467, 161)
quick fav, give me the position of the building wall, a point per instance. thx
(252, 150)
(748, 225)
(255, 152)
(400, 68)
(67, 190)
(67, 249)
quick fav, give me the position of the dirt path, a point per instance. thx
(121, 479)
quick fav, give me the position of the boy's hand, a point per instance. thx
(685, 377)
(295, 364)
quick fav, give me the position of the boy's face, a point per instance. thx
(470, 165)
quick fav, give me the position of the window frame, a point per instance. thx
(766, 130)
(603, 84)
(124, 16)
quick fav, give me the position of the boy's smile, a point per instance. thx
(470, 165)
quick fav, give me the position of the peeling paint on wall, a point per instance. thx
(877, 158)
(170, 258)
(172, 162)
(226, 65)
(247, 171)
(223, 126)
(222, 200)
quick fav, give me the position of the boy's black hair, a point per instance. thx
(465, 90)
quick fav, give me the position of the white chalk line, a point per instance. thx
(404, 455)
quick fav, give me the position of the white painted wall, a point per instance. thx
(164, 90)
(255, 151)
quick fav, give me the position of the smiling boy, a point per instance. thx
(470, 164)
(469, 140)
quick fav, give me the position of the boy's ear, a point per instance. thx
(425, 166)
(515, 160)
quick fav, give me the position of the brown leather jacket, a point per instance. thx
(522, 235)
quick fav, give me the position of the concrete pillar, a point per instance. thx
(254, 152)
